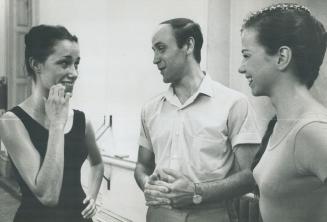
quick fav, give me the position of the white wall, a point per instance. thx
(318, 8)
(116, 71)
(218, 53)
(2, 38)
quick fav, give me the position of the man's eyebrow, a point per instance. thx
(158, 44)
(245, 50)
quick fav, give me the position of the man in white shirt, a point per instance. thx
(197, 139)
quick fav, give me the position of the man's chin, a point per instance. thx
(257, 93)
(165, 80)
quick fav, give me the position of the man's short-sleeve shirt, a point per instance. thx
(198, 138)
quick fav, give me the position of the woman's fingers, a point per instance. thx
(90, 209)
(61, 92)
(57, 104)
(67, 97)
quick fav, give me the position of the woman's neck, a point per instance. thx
(35, 104)
(292, 101)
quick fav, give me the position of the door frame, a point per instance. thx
(10, 45)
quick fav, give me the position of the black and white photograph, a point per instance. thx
(163, 111)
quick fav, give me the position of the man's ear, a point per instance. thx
(35, 65)
(284, 57)
(190, 43)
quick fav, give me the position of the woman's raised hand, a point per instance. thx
(57, 105)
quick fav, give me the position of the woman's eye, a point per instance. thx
(76, 65)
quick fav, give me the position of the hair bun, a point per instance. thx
(27, 38)
(325, 38)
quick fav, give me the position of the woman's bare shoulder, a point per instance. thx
(8, 120)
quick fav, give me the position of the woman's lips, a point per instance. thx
(250, 80)
(68, 86)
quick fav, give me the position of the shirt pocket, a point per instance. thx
(209, 151)
(160, 133)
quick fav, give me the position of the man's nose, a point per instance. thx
(156, 58)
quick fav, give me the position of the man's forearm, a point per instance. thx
(233, 186)
(141, 175)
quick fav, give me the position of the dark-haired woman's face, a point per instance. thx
(61, 66)
(257, 65)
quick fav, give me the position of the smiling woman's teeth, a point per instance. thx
(68, 87)
(250, 80)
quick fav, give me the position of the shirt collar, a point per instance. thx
(205, 88)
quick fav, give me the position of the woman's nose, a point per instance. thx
(241, 69)
(73, 72)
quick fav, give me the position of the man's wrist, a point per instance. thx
(198, 194)
(144, 181)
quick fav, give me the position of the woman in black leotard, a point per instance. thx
(46, 140)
